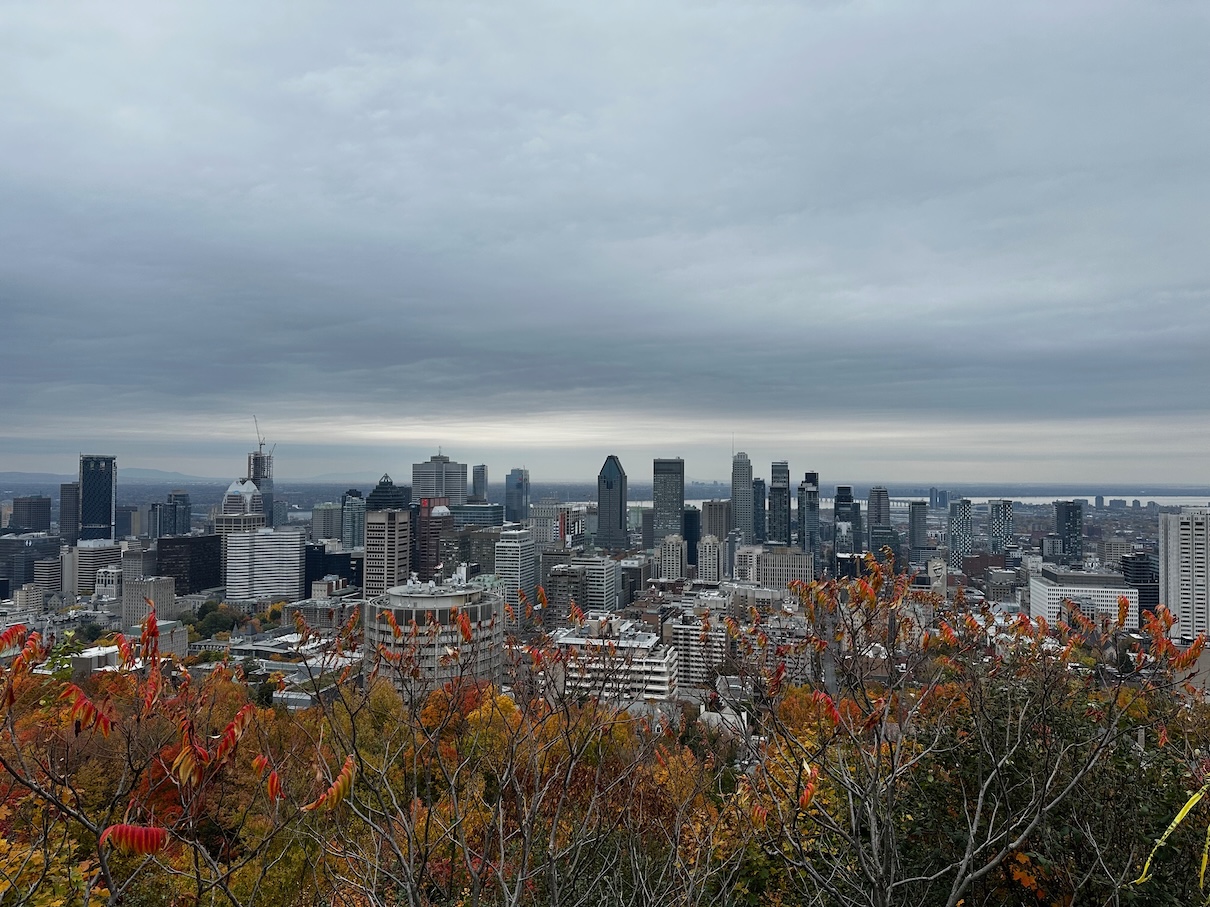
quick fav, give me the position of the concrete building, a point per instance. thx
(742, 508)
(388, 550)
(439, 477)
(1184, 570)
(701, 645)
(90, 556)
(673, 558)
(386, 495)
(777, 567)
(611, 658)
(668, 497)
(710, 560)
(352, 519)
(517, 572)
(716, 518)
(137, 592)
(809, 537)
(878, 513)
(439, 653)
(1096, 593)
(326, 521)
(603, 578)
(1069, 525)
(265, 564)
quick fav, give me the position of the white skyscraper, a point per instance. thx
(742, 509)
(1185, 570)
(439, 477)
(710, 560)
(265, 563)
(517, 570)
(674, 561)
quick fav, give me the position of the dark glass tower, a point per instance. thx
(1069, 524)
(611, 504)
(69, 512)
(759, 533)
(779, 503)
(98, 496)
(808, 518)
(516, 496)
(386, 495)
(850, 538)
(668, 498)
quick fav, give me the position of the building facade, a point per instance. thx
(439, 477)
(668, 497)
(98, 496)
(388, 557)
(779, 503)
(742, 513)
(611, 505)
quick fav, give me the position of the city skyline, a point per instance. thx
(907, 243)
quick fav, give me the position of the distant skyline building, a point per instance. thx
(846, 520)
(388, 550)
(809, 538)
(326, 520)
(741, 497)
(1184, 570)
(779, 503)
(759, 525)
(439, 477)
(918, 525)
(260, 473)
(98, 496)
(716, 519)
(516, 496)
(960, 532)
(1069, 525)
(878, 507)
(31, 513)
(611, 505)
(69, 512)
(352, 519)
(668, 497)
(479, 484)
(999, 524)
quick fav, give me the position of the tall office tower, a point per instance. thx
(326, 521)
(352, 519)
(716, 518)
(742, 514)
(1069, 524)
(878, 507)
(808, 518)
(440, 477)
(759, 527)
(31, 513)
(98, 496)
(779, 503)
(647, 528)
(184, 511)
(846, 516)
(264, 564)
(260, 474)
(69, 512)
(516, 496)
(1185, 570)
(960, 532)
(999, 524)
(604, 581)
(434, 534)
(918, 525)
(388, 560)
(611, 505)
(479, 484)
(933, 498)
(517, 571)
(195, 562)
(91, 556)
(137, 591)
(710, 560)
(692, 521)
(388, 496)
(673, 558)
(124, 516)
(668, 497)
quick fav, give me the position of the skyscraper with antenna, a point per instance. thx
(260, 471)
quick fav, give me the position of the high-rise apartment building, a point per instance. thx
(710, 560)
(388, 544)
(326, 520)
(1069, 525)
(1184, 557)
(960, 532)
(673, 558)
(999, 524)
(517, 571)
(742, 510)
(878, 507)
(479, 484)
(779, 503)
(352, 519)
(809, 538)
(440, 477)
(611, 505)
(668, 497)
(516, 496)
(69, 512)
(98, 496)
(264, 564)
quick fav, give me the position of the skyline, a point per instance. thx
(913, 244)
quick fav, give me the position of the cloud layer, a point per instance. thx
(888, 241)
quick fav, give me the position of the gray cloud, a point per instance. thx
(381, 226)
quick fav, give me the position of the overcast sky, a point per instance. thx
(887, 241)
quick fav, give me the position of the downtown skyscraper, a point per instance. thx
(668, 497)
(809, 538)
(98, 496)
(742, 509)
(516, 496)
(779, 504)
(611, 504)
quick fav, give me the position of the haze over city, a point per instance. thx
(898, 243)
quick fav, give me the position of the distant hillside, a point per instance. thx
(159, 477)
(33, 478)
